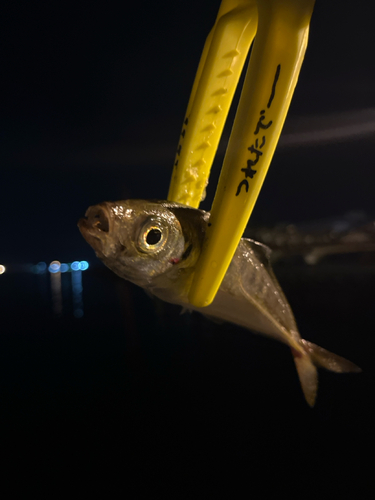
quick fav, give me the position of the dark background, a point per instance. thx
(92, 104)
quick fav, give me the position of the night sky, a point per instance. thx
(93, 101)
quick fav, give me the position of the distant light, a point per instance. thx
(41, 267)
(75, 265)
(83, 265)
(64, 268)
(2, 269)
(54, 267)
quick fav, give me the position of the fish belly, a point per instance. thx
(240, 311)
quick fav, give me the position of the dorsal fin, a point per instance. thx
(262, 252)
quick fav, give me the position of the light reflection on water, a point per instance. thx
(60, 292)
(56, 293)
(77, 289)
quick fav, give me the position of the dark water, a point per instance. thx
(133, 381)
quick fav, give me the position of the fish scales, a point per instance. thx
(156, 245)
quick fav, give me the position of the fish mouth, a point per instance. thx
(95, 226)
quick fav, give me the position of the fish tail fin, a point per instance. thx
(329, 360)
(308, 375)
(308, 358)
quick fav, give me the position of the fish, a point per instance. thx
(156, 245)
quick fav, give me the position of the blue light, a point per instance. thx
(83, 265)
(54, 267)
(75, 265)
(64, 268)
(41, 267)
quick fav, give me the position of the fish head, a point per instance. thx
(137, 239)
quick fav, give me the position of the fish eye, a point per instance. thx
(152, 236)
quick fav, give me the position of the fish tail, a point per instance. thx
(307, 373)
(308, 357)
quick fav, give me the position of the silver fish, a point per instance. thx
(156, 245)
